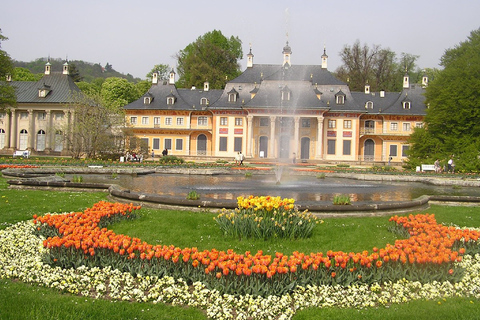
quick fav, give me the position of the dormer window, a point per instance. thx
(232, 95)
(171, 99)
(369, 105)
(340, 97)
(406, 104)
(147, 99)
(204, 102)
(286, 94)
(44, 91)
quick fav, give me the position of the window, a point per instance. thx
(406, 104)
(347, 124)
(23, 115)
(170, 100)
(156, 122)
(405, 149)
(179, 121)
(393, 150)
(393, 126)
(305, 123)
(369, 105)
(42, 116)
(286, 94)
(2, 115)
(286, 122)
(232, 96)
(237, 144)
(330, 146)
(179, 144)
(147, 100)
(332, 124)
(406, 126)
(58, 116)
(204, 101)
(144, 120)
(156, 143)
(419, 125)
(133, 120)
(202, 121)
(347, 147)
(238, 121)
(223, 121)
(264, 122)
(223, 144)
(168, 144)
(168, 121)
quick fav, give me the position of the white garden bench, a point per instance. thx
(21, 153)
(428, 167)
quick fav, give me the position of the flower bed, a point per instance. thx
(429, 254)
(21, 257)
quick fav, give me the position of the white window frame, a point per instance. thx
(347, 124)
(133, 120)
(224, 121)
(332, 124)
(145, 120)
(180, 121)
(168, 121)
(393, 126)
(239, 122)
(202, 121)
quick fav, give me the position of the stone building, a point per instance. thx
(36, 122)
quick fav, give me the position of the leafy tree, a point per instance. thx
(453, 116)
(212, 57)
(7, 92)
(376, 66)
(23, 74)
(163, 71)
(117, 92)
(74, 72)
(96, 129)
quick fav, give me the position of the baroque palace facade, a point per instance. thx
(279, 112)
(36, 122)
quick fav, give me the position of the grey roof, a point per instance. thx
(186, 99)
(61, 87)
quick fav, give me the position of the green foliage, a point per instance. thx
(77, 179)
(266, 224)
(171, 160)
(321, 176)
(161, 69)
(23, 74)
(453, 118)
(212, 57)
(118, 92)
(341, 199)
(193, 195)
(7, 92)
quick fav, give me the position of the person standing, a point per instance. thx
(451, 165)
(436, 165)
(242, 157)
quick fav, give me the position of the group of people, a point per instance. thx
(134, 157)
(239, 157)
(450, 166)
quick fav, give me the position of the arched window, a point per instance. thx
(2, 138)
(40, 140)
(23, 139)
(58, 141)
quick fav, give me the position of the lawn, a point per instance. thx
(187, 229)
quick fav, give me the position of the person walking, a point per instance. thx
(242, 157)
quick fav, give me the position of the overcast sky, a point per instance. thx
(133, 36)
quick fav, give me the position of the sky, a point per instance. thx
(134, 36)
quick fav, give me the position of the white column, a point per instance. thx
(271, 152)
(49, 131)
(319, 151)
(31, 130)
(13, 131)
(296, 135)
(8, 132)
(250, 136)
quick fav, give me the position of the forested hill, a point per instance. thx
(81, 70)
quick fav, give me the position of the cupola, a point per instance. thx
(406, 80)
(154, 78)
(367, 88)
(424, 79)
(287, 52)
(65, 67)
(250, 58)
(171, 78)
(48, 68)
(324, 58)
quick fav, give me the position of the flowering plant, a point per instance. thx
(266, 217)
(431, 253)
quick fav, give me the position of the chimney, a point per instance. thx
(206, 86)
(382, 93)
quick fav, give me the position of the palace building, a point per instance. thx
(279, 111)
(36, 122)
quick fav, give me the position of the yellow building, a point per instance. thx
(279, 112)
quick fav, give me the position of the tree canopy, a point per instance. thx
(452, 123)
(212, 57)
(378, 67)
(7, 92)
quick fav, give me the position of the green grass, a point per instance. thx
(187, 229)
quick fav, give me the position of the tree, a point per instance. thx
(453, 117)
(96, 129)
(74, 73)
(161, 69)
(7, 92)
(376, 66)
(23, 74)
(212, 57)
(118, 92)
